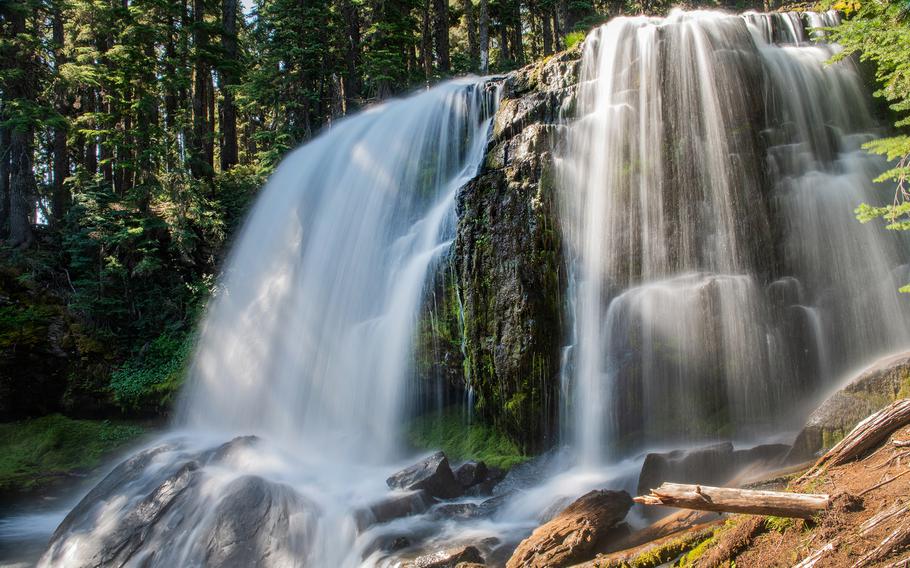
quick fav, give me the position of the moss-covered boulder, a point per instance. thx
(508, 257)
(886, 380)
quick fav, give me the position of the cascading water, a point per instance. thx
(307, 344)
(707, 191)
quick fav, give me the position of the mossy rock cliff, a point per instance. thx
(508, 257)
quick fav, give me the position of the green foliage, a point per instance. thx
(574, 38)
(450, 432)
(779, 524)
(148, 381)
(880, 33)
(38, 451)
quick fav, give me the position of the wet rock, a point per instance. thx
(871, 390)
(432, 474)
(395, 506)
(571, 536)
(710, 465)
(161, 508)
(456, 511)
(254, 525)
(471, 473)
(449, 558)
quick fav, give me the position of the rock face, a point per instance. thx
(433, 475)
(508, 261)
(571, 536)
(709, 465)
(158, 508)
(871, 390)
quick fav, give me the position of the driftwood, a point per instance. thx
(869, 433)
(726, 500)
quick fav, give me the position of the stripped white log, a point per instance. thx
(728, 500)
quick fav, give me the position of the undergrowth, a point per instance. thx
(38, 451)
(450, 432)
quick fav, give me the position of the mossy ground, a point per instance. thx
(450, 432)
(36, 452)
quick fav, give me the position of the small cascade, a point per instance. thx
(708, 186)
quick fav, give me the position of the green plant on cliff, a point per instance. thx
(879, 31)
(149, 381)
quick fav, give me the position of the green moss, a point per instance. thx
(449, 432)
(670, 550)
(38, 451)
(904, 391)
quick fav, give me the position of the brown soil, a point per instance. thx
(854, 504)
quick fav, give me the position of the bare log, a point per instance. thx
(869, 433)
(727, 500)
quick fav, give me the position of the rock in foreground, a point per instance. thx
(449, 558)
(161, 507)
(432, 474)
(572, 535)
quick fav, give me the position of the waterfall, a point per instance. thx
(308, 343)
(310, 335)
(707, 192)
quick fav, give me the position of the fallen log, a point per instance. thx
(727, 500)
(869, 433)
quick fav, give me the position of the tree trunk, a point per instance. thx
(484, 32)
(22, 188)
(441, 34)
(60, 197)
(518, 54)
(199, 165)
(4, 176)
(229, 151)
(547, 33)
(426, 41)
(725, 500)
(470, 25)
(351, 79)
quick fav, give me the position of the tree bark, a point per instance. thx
(22, 188)
(351, 78)
(484, 33)
(547, 33)
(60, 197)
(726, 500)
(470, 25)
(199, 164)
(229, 151)
(441, 34)
(426, 41)
(4, 176)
